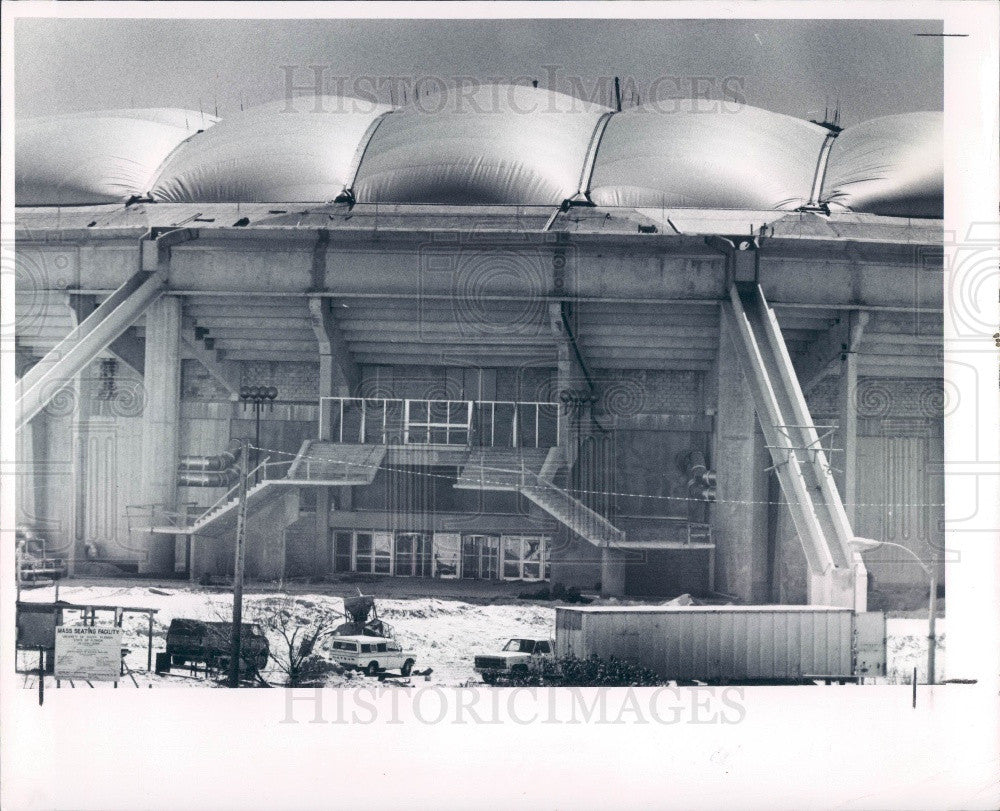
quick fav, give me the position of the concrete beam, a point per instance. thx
(84, 343)
(225, 373)
(129, 347)
(339, 375)
(823, 356)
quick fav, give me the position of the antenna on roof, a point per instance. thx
(832, 126)
(618, 95)
(216, 105)
(241, 101)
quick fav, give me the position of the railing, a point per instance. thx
(143, 516)
(590, 522)
(468, 423)
(233, 491)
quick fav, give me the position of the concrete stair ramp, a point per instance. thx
(500, 468)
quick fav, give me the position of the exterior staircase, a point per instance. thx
(336, 463)
(530, 471)
(499, 468)
(589, 525)
(317, 464)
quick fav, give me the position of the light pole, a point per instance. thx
(257, 396)
(863, 545)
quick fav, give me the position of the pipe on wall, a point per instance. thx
(210, 478)
(209, 471)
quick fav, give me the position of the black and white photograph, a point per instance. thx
(537, 406)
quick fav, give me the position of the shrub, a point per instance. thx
(592, 672)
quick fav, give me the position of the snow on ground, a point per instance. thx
(906, 648)
(443, 632)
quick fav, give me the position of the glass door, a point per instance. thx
(525, 558)
(470, 557)
(341, 551)
(447, 554)
(480, 557)
(413, 554)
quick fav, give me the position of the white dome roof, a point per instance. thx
(97, 157)
(490, 144)
(892, 165)
(672, 154)
(494, 144)
(300, 150)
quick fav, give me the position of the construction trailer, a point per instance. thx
(501, 376)
(726, 643)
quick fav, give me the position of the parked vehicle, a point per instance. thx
(727, 644)
(210, 643)
(521, 655)
(372, 654)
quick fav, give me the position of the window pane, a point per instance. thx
(511, 549)
(363, 552)
(342, 552)
(533, 549)
(446, 555)
(423, 568)
(383, 552)
(531, 571)
(404, 553)
(512, 570)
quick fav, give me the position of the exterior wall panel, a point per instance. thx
(713, 643)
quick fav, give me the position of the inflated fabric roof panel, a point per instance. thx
(100, 157)
(674, 154)
(492, 144)
(298, 151)
(893, 166)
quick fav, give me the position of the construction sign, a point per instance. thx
(88, 653)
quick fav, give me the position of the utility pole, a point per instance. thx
(241, 555)
(932, 626)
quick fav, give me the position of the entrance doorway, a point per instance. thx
(481, 557)
(413, 554)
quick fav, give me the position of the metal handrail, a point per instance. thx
(592, 515)
(227, 496)
(407, 425)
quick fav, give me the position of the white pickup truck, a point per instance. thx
(519, 656)
(372, 654)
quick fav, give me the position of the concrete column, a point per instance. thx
(564, 382)
(739, 518)
(612, 573)
(160, 416)
(321, 563)
(847, 433)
